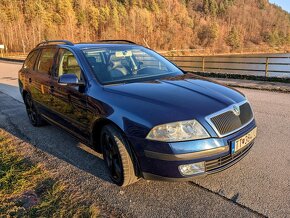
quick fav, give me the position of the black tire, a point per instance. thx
(32, 112)
(117, 156)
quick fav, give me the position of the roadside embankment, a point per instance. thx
(249, 82)
(254, 84)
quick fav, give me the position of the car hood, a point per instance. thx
(173, 98)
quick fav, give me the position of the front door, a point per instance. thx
(70, 102)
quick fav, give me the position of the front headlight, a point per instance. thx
(178, 131)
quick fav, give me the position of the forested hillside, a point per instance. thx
(221, 25)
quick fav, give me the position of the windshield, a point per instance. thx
(127, 64)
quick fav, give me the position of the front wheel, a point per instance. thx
(117, 156)
(33, 114)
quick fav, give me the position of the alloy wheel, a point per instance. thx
(31, 110)
(112, 158)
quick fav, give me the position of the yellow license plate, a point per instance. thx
(245, 140)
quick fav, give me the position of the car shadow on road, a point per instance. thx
(50, 139)
(11, 90)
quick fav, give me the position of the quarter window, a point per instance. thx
(46, 60)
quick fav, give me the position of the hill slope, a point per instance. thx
(221, 25)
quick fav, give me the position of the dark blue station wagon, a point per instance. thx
(146, 116)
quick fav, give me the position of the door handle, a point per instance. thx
(51, 89)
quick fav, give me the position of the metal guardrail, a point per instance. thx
(254, 63)
(11, 60)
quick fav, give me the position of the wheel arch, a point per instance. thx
(96, 132)
(24, 93)
(96, 136)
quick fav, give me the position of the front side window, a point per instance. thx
(30, 60)
(128, 63)
(46, 60)
(68, 64)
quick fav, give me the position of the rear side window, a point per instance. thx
(30, 60)
(46, 60)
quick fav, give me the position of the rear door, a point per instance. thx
(26, 70)
(70, 102)
(40, 79)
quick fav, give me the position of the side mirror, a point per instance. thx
(70, 79)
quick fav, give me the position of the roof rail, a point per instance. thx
(55, 41)
(117, 40)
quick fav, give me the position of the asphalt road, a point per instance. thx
(256, 186)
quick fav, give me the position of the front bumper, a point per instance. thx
(158, 160)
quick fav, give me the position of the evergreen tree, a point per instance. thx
(206, 6)
(222, 9)
(234, 39)
(210, 7)
(213, 7)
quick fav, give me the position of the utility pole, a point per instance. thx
(2, 47)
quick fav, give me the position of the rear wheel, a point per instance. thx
(117, 156)
(33, 114)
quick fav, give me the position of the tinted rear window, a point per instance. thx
(46, 60)
(30, 60)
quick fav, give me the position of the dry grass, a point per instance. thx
(28, 190)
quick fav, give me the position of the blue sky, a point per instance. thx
(285, 4)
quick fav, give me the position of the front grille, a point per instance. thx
(228, 122)
(222, 162)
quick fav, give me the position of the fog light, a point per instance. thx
(191, 169)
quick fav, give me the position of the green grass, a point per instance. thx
(19, 176)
